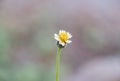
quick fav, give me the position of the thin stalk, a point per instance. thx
(58, 63)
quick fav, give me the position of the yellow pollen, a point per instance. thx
(63, 36)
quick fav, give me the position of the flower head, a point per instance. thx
(63, 37)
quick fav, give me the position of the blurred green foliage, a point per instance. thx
(4, 58)
(33, 72)
(4, 44)
(44, 41)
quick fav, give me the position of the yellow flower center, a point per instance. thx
(63, 36)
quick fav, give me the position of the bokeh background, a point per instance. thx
(28, 49)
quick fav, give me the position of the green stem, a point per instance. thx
(58, 63)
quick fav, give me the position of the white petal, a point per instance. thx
(60, 31)
(63, 44)
(56, 37)
(68, 41)
(69, 35)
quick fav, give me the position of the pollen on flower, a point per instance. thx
(63, 37)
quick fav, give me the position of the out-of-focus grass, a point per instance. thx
(4, 44)
(32, 72)
(4, 58)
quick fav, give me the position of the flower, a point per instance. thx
(63, 37)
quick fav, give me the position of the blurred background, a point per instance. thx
(28, 48)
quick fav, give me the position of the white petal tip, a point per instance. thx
(68, 41)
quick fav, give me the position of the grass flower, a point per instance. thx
(62, 39)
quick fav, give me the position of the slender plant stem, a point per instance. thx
(58, 63)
